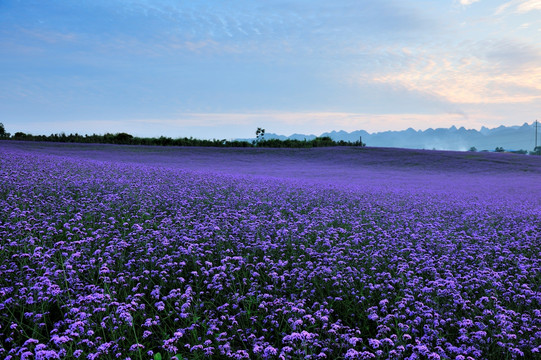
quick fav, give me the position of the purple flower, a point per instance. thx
(273, 258)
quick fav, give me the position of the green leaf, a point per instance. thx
(158, 356)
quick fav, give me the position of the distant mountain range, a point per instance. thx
(453, 138)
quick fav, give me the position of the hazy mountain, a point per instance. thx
(453, 138)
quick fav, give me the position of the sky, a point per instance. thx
(221, 69)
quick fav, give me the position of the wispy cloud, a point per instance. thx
(529, 5)
(519, 6)
(318, 122)
(49, 36)
(483, 72)
(467, 2)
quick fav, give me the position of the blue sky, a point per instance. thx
(220, 69)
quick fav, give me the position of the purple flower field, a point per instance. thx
(124, 252)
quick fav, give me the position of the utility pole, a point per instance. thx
(535, 148)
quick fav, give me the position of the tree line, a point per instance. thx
(128, 139)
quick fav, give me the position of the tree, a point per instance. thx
(499, 149)
(2, 131)
(123, 138)
(473, 149)
(259, 134)
(19, 135)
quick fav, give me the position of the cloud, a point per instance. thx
(529, 5)
(48, 36)
(502, 8)
(308, 122)
(511, 55)
(467, 2)
(520, 6)
(300, 24)
(483, 72)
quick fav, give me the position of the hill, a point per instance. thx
(453, 138)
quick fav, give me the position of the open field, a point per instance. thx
(113, 252)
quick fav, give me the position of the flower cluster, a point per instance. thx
(113, 258)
